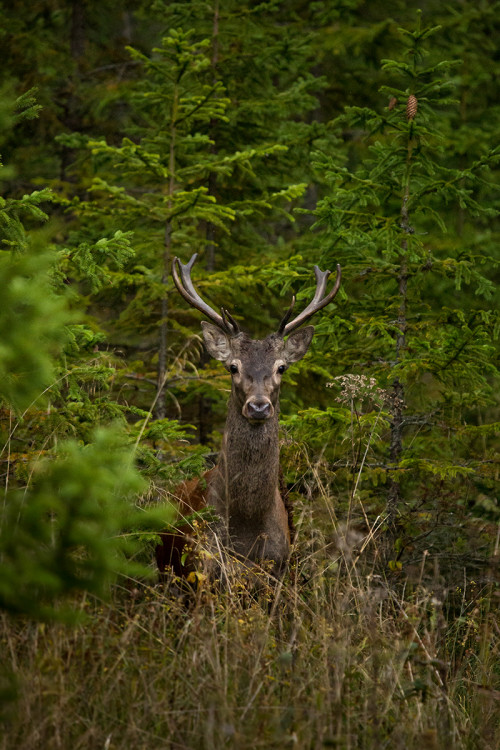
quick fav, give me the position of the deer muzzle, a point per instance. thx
(258, 410)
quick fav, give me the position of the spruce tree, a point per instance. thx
(66, 502)
(180, 187)
(416, 349)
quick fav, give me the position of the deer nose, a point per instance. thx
(258, 409)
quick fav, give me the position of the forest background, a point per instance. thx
(267, 137)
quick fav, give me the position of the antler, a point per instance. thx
(317, 303)
(186, 289)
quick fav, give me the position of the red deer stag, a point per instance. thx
(243, 487)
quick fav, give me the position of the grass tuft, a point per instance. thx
(336, 655)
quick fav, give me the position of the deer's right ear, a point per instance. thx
(297, 344)
(216, 341)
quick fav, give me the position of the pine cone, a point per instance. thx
(411, 107)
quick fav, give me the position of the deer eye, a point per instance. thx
(281, 369)
(233, 369)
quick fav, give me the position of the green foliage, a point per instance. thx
(32, 320)
(193, 130)
(267, 137)
(64, 516)
(66, 533)
(91, 261)
(383, 219)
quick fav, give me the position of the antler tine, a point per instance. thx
(317, 302)
(286, 317)
(229, 321)
(186, 288)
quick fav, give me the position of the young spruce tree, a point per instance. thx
(65, 501)
(180, 179)
(418, 332)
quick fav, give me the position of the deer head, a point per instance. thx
(256, 366)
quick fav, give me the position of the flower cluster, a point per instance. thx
(360, 387)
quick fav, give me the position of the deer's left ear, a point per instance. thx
(297, 344)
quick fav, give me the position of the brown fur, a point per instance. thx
(285, 496)
(192, 496)
(255, 521)
(246, 487)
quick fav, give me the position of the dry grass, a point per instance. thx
(336, 657)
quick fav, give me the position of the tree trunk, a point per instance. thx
(160, 405)
(205, 413)
(398, 394)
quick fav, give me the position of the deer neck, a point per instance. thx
(248, 465)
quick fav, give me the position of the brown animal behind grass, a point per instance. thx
(254, 525)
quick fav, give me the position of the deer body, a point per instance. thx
(243, 488)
